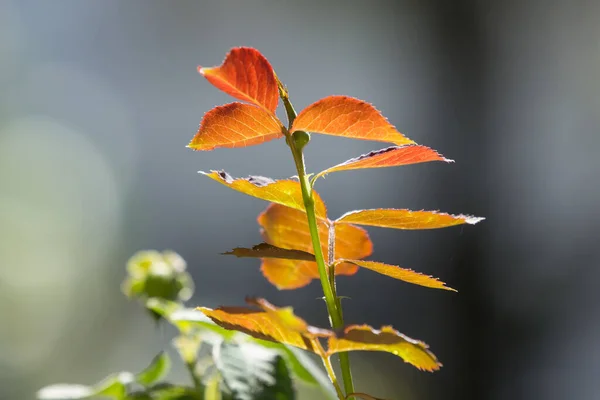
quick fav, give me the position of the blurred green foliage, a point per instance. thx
(238, 367)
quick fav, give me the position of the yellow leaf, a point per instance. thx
(288, 228)
(286, 192)
(406, 219)
(403, 274)
(267, 322)
(365, 338)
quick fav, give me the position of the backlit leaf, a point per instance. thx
(157, 369)
(166, 391)
(406, 219)
(246, 75)
(266, 250)
(114, 386)
(403, 274)
(235, 125)
(288, 228)
(267, 323)
(286, 192)
(364, 337)
(348, 117)
(389, 157)
(253, 372)
(187, 320)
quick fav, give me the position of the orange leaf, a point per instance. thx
(288, 228)
(406, 219)
(266, 250)
(389, 157)
(403, 274)
(364, 337)
(286, 192)
(348, 117)
(246, 75)
(267, 323)
(235, 125)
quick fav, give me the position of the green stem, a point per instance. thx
(327, 282)
(191, 367)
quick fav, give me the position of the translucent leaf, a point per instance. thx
(393, 156)
(158, 368)
(65, 392)
(266, 250)
(302, 366)
(235, 125)
(365, 338)
(403, 274)
(246, 75)
(140, 396)
(187, 320)
(253, 372)
(174, 392)
(288, 228)
(348, 117)
(406, 219)
(114, 386)
(286, 192)
(267, 323)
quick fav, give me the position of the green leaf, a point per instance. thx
(301, 365)
(65, 392)
(253, 372)
(299, 360)
(187, 320)
(162, 307)
(158, 368)
(139, 396)
(114, 386)
(174, 392)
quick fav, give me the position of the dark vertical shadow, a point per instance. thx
(468, 337)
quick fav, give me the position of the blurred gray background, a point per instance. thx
(98, 100)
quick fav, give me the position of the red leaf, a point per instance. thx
(393, 156)
(235, 125)
(246, 75)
